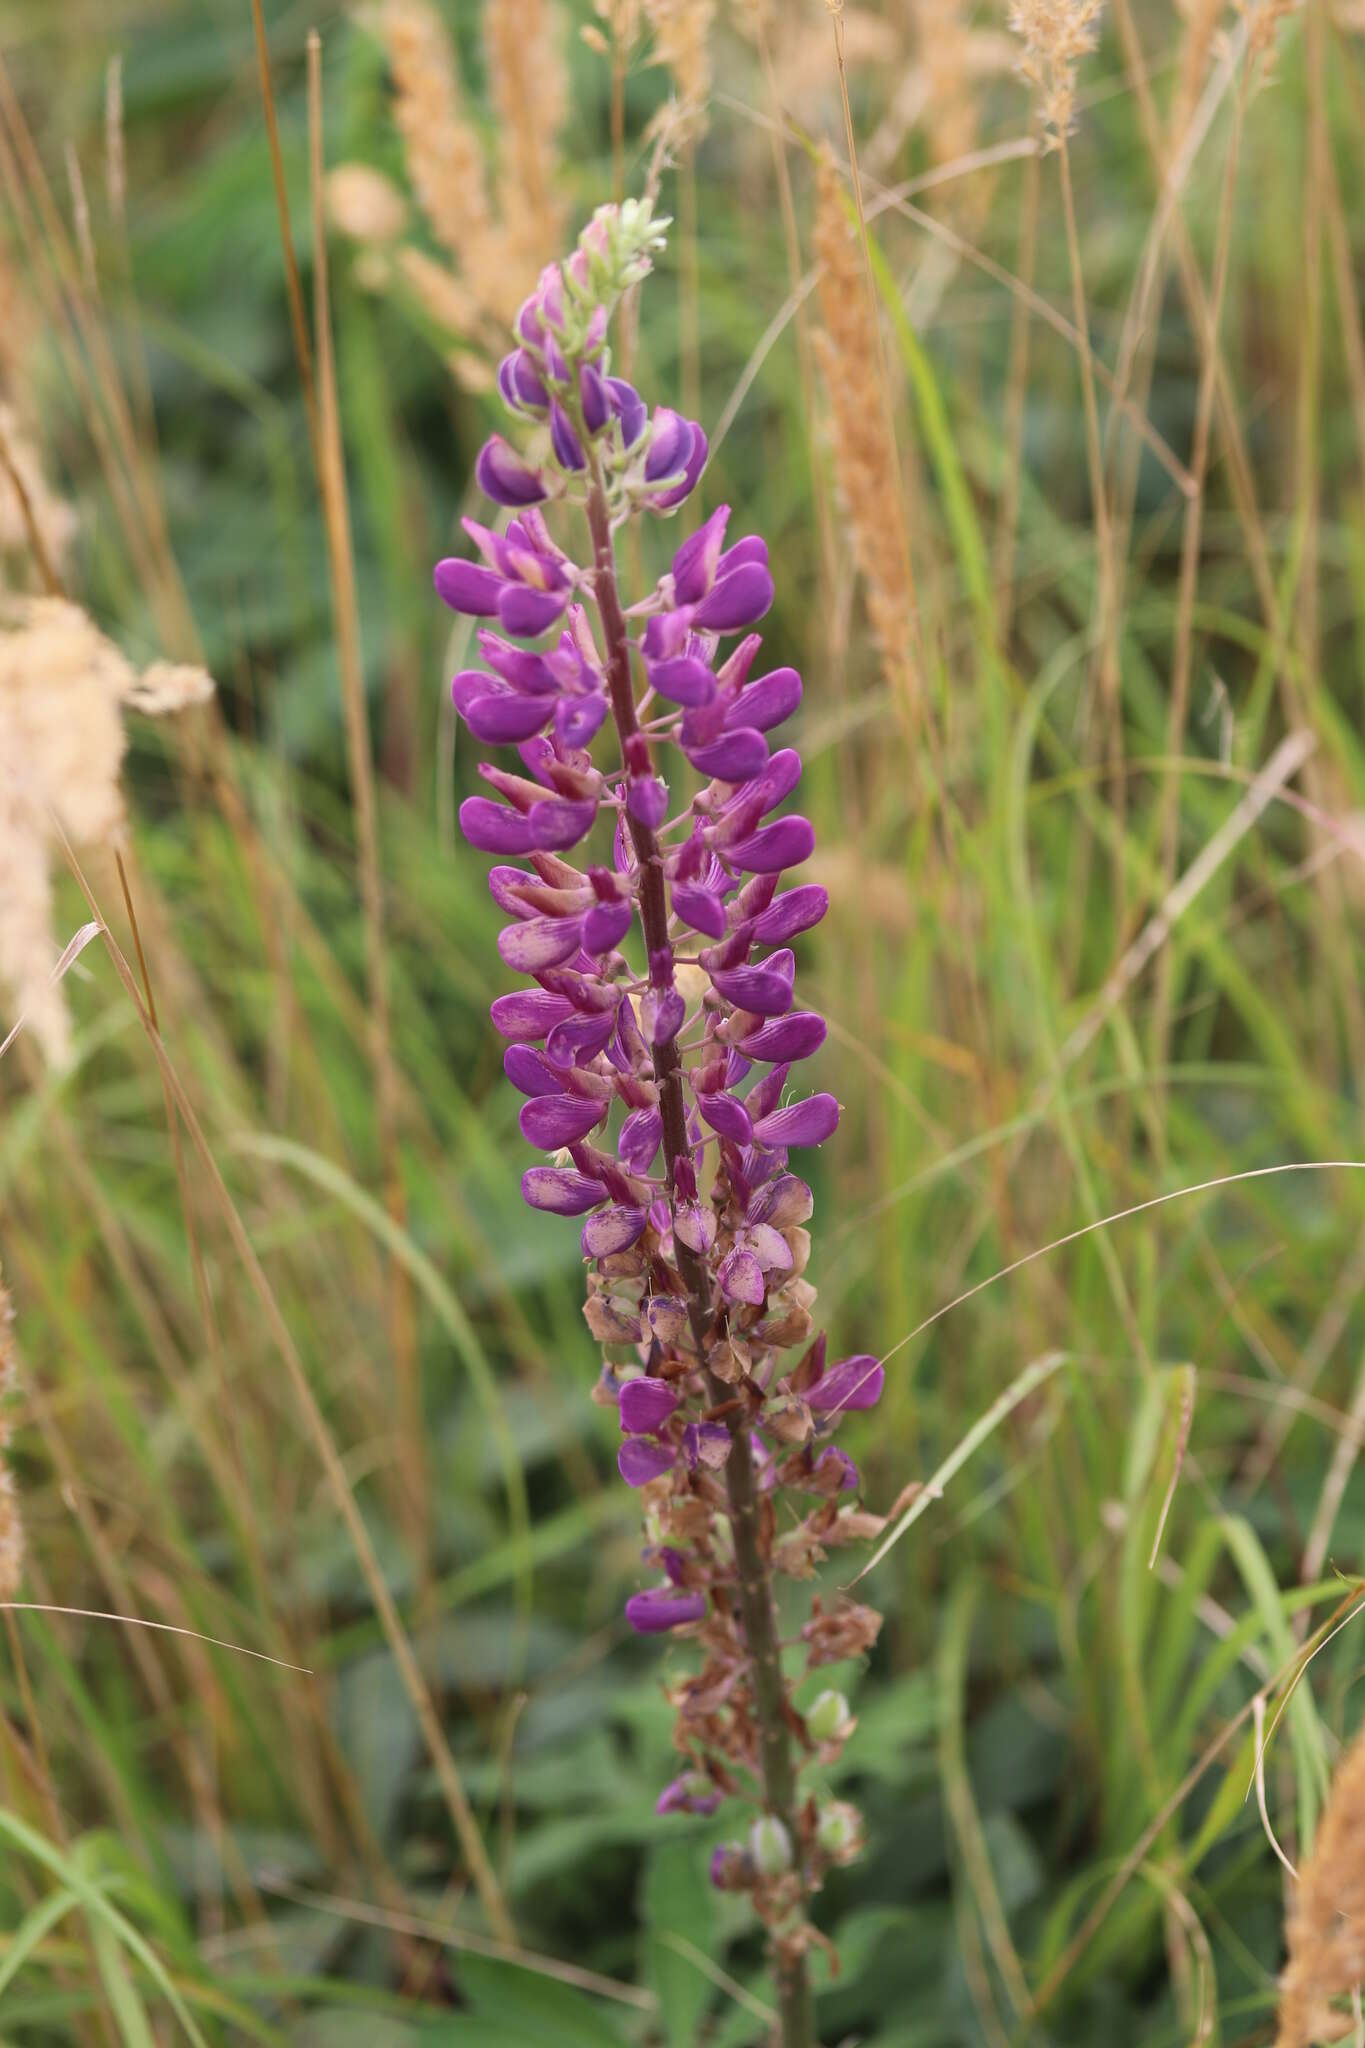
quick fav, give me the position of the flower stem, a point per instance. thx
(796, 2026)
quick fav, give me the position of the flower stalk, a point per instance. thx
(655, 1052)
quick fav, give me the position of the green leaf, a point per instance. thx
(679, 1913)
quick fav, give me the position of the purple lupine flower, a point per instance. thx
(661, 1094)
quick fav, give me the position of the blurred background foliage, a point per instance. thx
(1029, 1032)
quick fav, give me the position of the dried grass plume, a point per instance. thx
(1056, 34)
(63, 691)
(864, 457)
(1326, 1927)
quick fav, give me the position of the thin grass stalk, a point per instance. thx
(346, 617)
(1016, 392)
(1168, 828)
(409, 1671)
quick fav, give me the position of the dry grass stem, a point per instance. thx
(1325, 1931)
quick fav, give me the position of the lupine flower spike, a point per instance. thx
(660, 1046)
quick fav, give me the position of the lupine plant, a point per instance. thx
(656, 1049)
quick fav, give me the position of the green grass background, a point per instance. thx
(1056, 1737)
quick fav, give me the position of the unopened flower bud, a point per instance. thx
(732, 1869)
(839, 1831)
(770, 1846)
(830, 1717)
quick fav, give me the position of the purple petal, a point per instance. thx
(768, 701)
(753, 548)
(640, 1459)
(503, 718)
(784, 1202)
(504, 477)
(848, 1471)
(736, 600)
(706, 1443)
(766, 990)
(629, 408)
(579, 1037)
(694, 565)
(741, 1276)
(663, 1607)
(561, 1190)
(647, 800)
(662, 1014)
(795, 910)
(645, 1404)
(639, 1140)
(695, 1227)
(494, 828)
(529, 1014)
(559, 823)
(612, 1230)
(701, 908)
(683, 679)
(800, 1123)
(793, 1037)
(578, 719)
(593, 397)
(726, 1115)
(527, 1071)
(567, 447)
(692, 1793)
(467, 586)
(734, 757)
(670, 445)
(527, 672)
(606, 924)
(664, 501)
(528, 612)
(783, 844)
(769, 1247)
(539, 942)
(549, 1121)
(852, 1384)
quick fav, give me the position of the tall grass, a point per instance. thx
(297, 1374)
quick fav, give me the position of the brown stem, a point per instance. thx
(796, 2028)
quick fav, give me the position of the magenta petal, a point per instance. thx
(529, 1014)
(736, 600)
(694, 565)
(734, 757)
(793, 1037)
(526, 611)
(695, 1227)
(800, 1123)
(612, 1230)
(795, 910)
(670, 444)
(579, 1038)
(852, 1384)
(504, 477)
(493, 828)
(467, 587)
(692, 1793)
(550, 1121)
(645, 1404)
(504, 719)
(683, 679)
(663, 1607)
(539, 942)
(783, 844)
(726, 1115)
(559, 822)
(561, 1190)
(701, 908)
(640, 1459)
(662, 1013)
(606, 924)
(741, 1278)
(768, 701)
(639, 1140)
(765, 990)
(647, 800)
(527, 1071)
